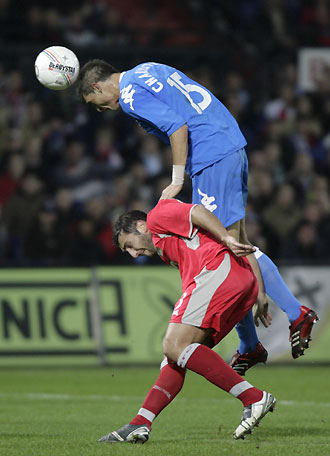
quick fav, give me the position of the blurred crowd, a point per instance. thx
(66, 172)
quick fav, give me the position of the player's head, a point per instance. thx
(98, 83)
(131, 234)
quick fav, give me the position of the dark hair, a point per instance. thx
(126, 223)
(93, 71)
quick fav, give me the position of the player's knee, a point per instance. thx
(169, 348)
(173, 348)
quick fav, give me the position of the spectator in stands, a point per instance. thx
(76, 33)
(46, 242)
(283, 106)
(10, 177)
(96, 209)
(304, 244)
(302, 175)
(106, 150)
(285, 211)
(85, 249)
(65, 207)
(20, 212)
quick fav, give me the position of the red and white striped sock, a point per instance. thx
(209, 364)
(167, 386)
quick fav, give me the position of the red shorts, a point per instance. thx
(219, 298)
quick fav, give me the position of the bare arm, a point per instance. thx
(260, 308)
(202, 218)
(179, 146)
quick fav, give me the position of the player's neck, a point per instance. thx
(114, 78)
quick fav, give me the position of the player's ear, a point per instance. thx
(97, 87)
(141, 226)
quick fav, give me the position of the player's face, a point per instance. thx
(105, 96)
(137, 244)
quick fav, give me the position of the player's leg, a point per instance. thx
(165, 389)
(250, 350)
(207, 363)
(276, 287)
(221, 311)
(301, 318)
(250, 346)
(183, 344)
(274, 284)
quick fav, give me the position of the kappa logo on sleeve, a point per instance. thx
(127, 95)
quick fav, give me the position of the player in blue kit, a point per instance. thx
(207, 143)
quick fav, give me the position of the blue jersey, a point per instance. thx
(163, 99)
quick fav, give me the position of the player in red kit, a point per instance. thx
(219, 289)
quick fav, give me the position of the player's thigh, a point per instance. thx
(222, 188)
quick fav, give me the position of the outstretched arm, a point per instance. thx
(202, 218)
(179, 146)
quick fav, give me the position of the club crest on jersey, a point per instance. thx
(127, 95)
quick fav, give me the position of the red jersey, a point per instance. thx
(181, 244)
(219, 289)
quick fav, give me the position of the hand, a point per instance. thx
(171, 191)
(237, 248)
(260, 312)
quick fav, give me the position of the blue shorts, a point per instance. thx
(222, 187)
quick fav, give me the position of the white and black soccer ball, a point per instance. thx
(57, 67)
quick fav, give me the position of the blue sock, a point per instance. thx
(247, 334)
(276, 288)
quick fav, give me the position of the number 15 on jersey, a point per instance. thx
(175, 81)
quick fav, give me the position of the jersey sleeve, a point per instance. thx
(138, 102)
(171, 216)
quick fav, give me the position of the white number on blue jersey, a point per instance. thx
(175, 81)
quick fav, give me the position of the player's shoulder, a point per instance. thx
(163, 207)
(167, 203)
(161, 218)
(153, 214)
(158, 210)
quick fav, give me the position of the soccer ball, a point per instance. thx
(57, 67)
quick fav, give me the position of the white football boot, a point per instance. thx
(252, 414)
